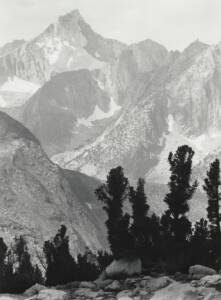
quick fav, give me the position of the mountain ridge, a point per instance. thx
(177, 97)
(37, 196)
(161, 99)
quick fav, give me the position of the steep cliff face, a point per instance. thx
(131, 142)
(135, 61)
(176, 103)
(10, 47)
(36, 196)
(195, 94)
(106, 104)
(69, 44)
(194, 99)
(69, 110)
(73, 108)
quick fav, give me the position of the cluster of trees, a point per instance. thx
(62, 268)
(17, 273)
(170, 242)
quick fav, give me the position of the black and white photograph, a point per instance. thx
(110, 149)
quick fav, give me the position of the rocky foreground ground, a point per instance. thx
(177, 287)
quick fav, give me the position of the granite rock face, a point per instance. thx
(176, 103)
(96, 103)
(37, 196)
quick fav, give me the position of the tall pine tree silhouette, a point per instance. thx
(176, 226)
(61, 266)
(141, 226)
(211, 186)
(113, 193)
(200, 243)
(25, 274)
(6, 268)
(181, 190)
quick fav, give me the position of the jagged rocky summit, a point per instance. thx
(95, 103)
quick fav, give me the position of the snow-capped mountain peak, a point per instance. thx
(98, 103)
(177, 103)
(66, 45)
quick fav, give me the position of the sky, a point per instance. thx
(173, 23)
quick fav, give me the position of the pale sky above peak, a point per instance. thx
(173, 23)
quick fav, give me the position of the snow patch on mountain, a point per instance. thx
(52, 49)
(15, 84)
(70, 62)
(67, 50)
(112, 146)
(89, 169)
(99, 114)
(172, 140)
(100, 83)
(207, 142)
(3, 102)
(15, 91)
(203, 145)
(170, 121)
(67, 44)
(97, 55)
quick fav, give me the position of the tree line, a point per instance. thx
(18, 273)
(166, 243)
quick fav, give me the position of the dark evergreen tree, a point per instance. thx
(201, 244)
(3, 252)
(156, 244)
(6, 268)
(23, 257)
(88, 266)
(141, 227)
(61, 266)
(181, 191)
(211, 186)
(104, 259)
(176, 227)
(201, 231)
(113, 193)
(25, 274)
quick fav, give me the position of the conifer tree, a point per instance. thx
(6, 269)
(104, 259)
(141, 227)
(200, 244)
(25, 274)
(23, 257)
(181, 191)
(211, 185)
(156, 244)
(61, 266)
(113, 193)
(139, 205)
(88, 266)
(201, 232)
